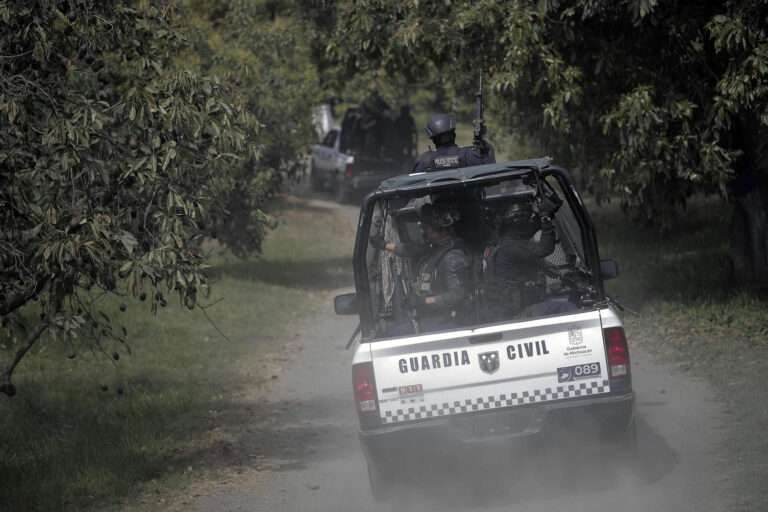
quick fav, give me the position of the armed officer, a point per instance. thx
(441, 128)
(438, 295)
(512, 266)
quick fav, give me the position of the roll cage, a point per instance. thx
(419, 184)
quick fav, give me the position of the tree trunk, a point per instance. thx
(6, 386)
(749, 235)
(749, 227)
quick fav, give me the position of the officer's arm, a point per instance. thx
(480, 156)
(406, 250)
(546, 244)
(454, 266)
(511, 251)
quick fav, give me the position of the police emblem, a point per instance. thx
(447, 161)
(489, 361)
(575, 336)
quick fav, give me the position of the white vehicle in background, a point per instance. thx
(329, 163)
(322, 120)
(353, 158)
(559, 365)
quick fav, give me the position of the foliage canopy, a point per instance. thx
(654, 101)
(117, 159)
(647, 97)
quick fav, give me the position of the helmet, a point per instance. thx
(518, 214)
(439, 124)
(438, 216)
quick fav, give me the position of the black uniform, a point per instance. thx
(452, 156)
(442, 272)
(511, 270)
(405, 133)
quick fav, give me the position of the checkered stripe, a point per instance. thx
(495, 402)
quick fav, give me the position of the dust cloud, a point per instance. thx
(560, 470)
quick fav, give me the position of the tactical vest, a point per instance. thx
(438, 160)
(501, 299)
(428, 271)
(448, 162)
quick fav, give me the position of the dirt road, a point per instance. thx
(311, 461)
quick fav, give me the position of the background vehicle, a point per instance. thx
(561, 365)
(371, 144)
(322, 120)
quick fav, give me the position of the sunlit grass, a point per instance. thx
(90, 429)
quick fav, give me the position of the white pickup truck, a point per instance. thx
(353, 159)
(560, 361)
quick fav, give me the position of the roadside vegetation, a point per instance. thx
(84, 432)
(142, 146)
(683, 306)
(652, 101)
(128, 135)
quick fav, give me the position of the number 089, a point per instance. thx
(586, 370)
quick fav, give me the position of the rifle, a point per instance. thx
(479, 121)
(405, 289)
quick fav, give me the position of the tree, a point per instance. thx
(654, 101)
(115, 163)
(252, 45)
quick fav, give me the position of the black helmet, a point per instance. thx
(439, 124)
(518, 213)
(438, 216)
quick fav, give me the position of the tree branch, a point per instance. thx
(213, 324)
(6, 386)
(19, 300)
(22, 54)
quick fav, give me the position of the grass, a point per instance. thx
(84, 431)
(685, 274)
(691, 313)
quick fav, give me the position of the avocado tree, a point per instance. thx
(652, 100)
(115, 162)
(263, 53)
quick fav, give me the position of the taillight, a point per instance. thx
(365, 388)
(348, 171)
(618, 353)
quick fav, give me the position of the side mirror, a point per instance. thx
(609, 269)
(345, 304)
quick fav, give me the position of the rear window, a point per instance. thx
(483, 254)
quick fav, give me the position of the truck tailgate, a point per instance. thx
(504, 365)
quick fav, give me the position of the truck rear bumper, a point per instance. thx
(581, 420)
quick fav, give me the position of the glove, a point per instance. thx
(378, 242)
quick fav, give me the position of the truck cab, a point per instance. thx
(493, 372)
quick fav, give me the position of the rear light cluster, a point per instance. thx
(618, 355)
(349, 170)
(365, 388)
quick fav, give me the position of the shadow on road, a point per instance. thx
(323, 274)
(309, 202)
(270, 436)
